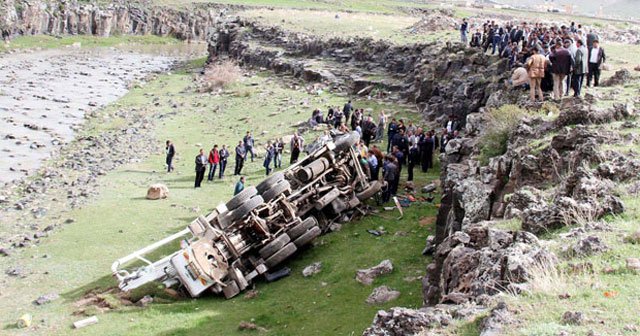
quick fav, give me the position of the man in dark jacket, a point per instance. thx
(596, 58)
(241, 153)
(248, 145)
(390, 170)
(346, 110)
(171, 152)
(201, 167)
(393, 129)
(426, 151)
(561, 65)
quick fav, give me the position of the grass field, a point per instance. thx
(77, 257)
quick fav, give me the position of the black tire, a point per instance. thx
(269, 182)
(231, 289)
(345, 141)
(245, 208)
(273, 246)
(276, 190)
(240, 198)
(308, 236)
(281, 255)
(301, 228)
(374, 188)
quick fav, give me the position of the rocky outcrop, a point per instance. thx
(21, 17)
(553, 174)
(482, 260)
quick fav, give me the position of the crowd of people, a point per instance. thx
(544, 58)
(407, 145)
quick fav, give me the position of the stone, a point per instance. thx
(312, 269)
(44, 299)
(5, 252)
(429, 188)
(498, 319)
(24, 321)
(573, 318)
(430, 245)
(366, 276)
(633, 264)
(405, 321)
(620, 77)
(382, 294)
(587, 246)
(157, 191)
(145, 301)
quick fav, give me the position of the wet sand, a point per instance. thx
(44, 96)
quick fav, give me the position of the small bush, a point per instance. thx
(495, 137)
(219, 76)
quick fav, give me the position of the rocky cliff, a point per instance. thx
(32, 17)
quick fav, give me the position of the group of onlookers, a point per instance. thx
(546, 58)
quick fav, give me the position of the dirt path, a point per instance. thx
(44, 96)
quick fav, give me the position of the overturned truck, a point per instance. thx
(260, 227)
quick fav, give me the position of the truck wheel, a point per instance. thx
(281, 255)
(308, 236)
(274, 246)
(345, 141)
(301, 228)
(245, 208)
(269, 182)
(276, 190)
(374, 187)
(240, 198)
(231, 289)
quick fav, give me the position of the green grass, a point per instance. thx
(120, 221)
(49, 42)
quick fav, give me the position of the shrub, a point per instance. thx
(495, 136)
(219, 76)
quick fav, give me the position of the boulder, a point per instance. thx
(633, 264)
(404, 321)
(573, 318)
(382, 294)
(587, 246)
(44, 299)
(494, 324)
(620, 77)
(312, 269)
(157, 191)
(366, 276)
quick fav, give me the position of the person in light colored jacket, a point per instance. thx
(536, 65)
(580, 68)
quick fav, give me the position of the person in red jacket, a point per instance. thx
(214, 159)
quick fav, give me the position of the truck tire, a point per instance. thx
(345, 141)
(374, 187)
(231, 289)
(301, 228)
(273, 246)
(276, 190)
(241, 197)
(281, 255)
(308, 236)
(245, 208)
(269, 182)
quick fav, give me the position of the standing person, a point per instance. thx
(591, 37)
(239, 186)
(426, 151)
(241, 154)
(171, 152)
(224, 155)
(337, 118)
(382, 125)
(296, 146)
(572, 47)
(596, 58)
(561, 63)
(373, 165)
(581, 67)
(400, 161)
(201, 167)
(214, 160)
(248, 145)
(536, 64)
(268, 157)
(401, 141)
(464, 29)
(390, 171)
(369, 130)
(279, 149)
(346, 110)
(414, 158)
(391, 132)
